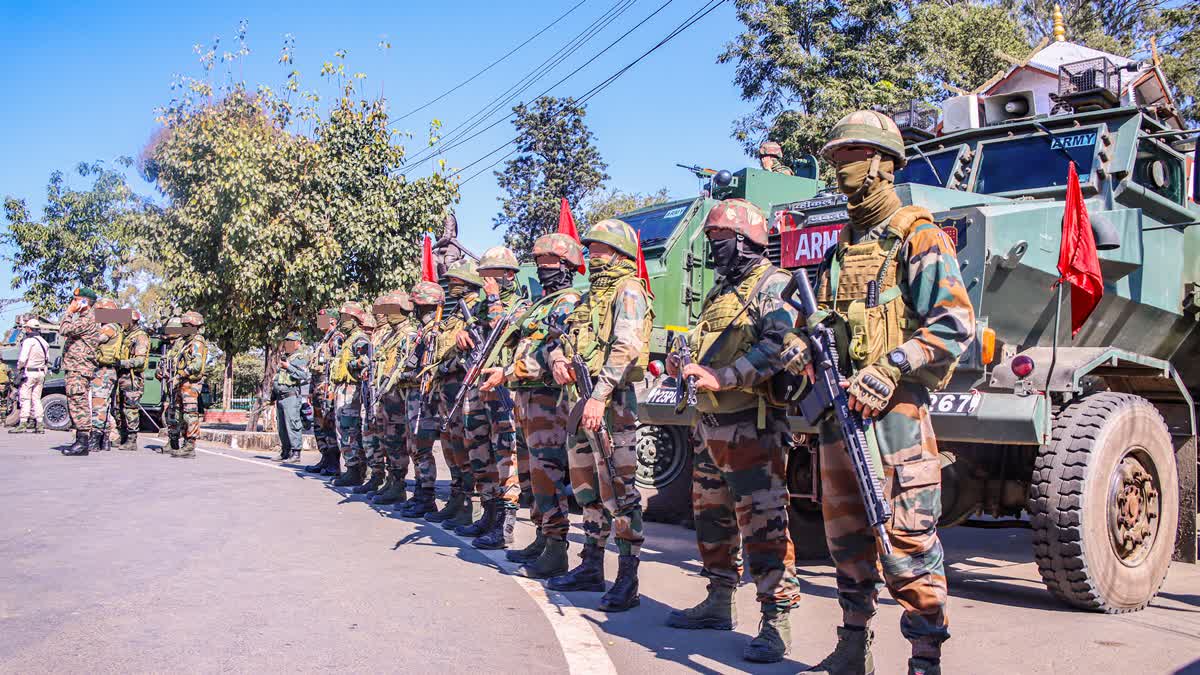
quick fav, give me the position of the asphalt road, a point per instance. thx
(136, 562)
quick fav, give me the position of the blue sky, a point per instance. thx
(82, 80)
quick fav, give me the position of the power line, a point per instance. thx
(489, 66)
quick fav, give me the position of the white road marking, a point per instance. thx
(581, 647)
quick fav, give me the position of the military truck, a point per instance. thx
(1089, 440)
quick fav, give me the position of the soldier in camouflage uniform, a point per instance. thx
(374, 427)
(902, 348)
(489, 426)
(6, 386)
(540, 408)
(80, 337)
(609, 330)
(131, 381)
(416, 381)
(739, 476)
(324, 419)
(770, 156)
(287, 390)
(104, 379)
(396, 309)
(165, 374)
(349, 367)
(188, 380)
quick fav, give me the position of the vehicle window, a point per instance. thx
(657, 224)
(918, 171)
(1034, 162)
(1159, 170)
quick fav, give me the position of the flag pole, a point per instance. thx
(1054, 338)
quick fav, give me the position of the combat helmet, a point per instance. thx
(560, 245)
(191, 319)
(427, 293)
(354, 310)
(105, 303)
(173, 328)
(869, 128)
(615, 233)
(498, 258)
(392, 302)
(741, 217)
(466, 271)
(770, 149)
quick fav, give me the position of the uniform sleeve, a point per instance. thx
(138, 353)
(298, 368)
(107, 333)
(629, 314)
(939, 298)
(26, 346)
(195, 361)
(533, 352)
(775, 321)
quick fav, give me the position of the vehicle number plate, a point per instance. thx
(954, 403)
(664, 394)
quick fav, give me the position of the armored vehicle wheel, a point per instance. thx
(55, 413)
(664, 473)
(1104, 503)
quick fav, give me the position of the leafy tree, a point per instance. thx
(957, 44)
(557, 159)
(615, 202)
(86, 237)
(1180, 46)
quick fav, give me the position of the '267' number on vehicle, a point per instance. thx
(954, 403)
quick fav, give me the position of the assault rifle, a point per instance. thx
(685, 387)
(335, 346)
(365, 386)
(478, 358)
(826, 396)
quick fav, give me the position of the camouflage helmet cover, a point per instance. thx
(615, 233)
(499, 258)
(770, 149)
(466, 271)
(427, 293)
(192, 318)
(741, 217)
(355, 311)
(392, 302)
(869, 128)
(105, 303)
(173, 327)
(560, 245)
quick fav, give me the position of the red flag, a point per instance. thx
(428, 272)
(566, 225)
(1078, 262)
(642, 273)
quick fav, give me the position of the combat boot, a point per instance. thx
(173, 443)
(96, 441)
(37, 427)
(552, 561)
(530, 552)
(624, 592)
(481, 526)
(319, 466)
(334, 467)
(392, 491)
(718, 611)
(469, 513)
(588, 575)
(450, 510)
(500, 534)
(851, 656)
(19, 428)
(187, 449)
(773, 641)
(353, 476)
(421, 504)
(80, 447)
(373, 483)
(924, 667)
(130, 443)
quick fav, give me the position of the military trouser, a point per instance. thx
(610, 503)
(79, 398)
(5, 399)
(542, 417)
(423, 429)
(102, 385)
(454, 449)
(740, 500)
(324, 419)
(395, 433)
(373, 431)
(131, 385)
(170, 412)
(491, 443)
(914, 573)
(289, 423)
(187, 409)
(348, 404)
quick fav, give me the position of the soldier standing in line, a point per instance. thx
(415, 380)
(32, 364)
(165, 374)
(374, 424)
(187, 381)
(80, 335)
(540, 408)
(739, 474)
(6, 386)
(609, 332)
(396, 308)
(324, 418)
(488, 416)
(104, 379)
(131, 382)
(288, 391)
(351, 365)
(770, 156)
(903, 346)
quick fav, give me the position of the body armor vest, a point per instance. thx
(340, 371)
(128, 342)
(202, 356)
(108, 353)
(389, 354)
(532, 327)
(594, 337)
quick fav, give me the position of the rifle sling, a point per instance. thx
(714, 348)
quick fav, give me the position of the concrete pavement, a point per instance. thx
(136, 562)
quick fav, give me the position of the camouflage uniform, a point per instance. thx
(80, 335)
(324, 415)
(373, 431)
(775, 151)
(188, 382)
(165, 374)
(131, 382)
(448, 361)
(391, 356)
(349, 367)
(420, 421)
(104, 379)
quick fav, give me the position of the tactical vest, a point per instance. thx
(531, 326)
(127, 344)
(340, 371)
(451, 326)
(594, 338)
(725, 311)
(864, 290)
(182, 366)
(108, 353)
(388, 355)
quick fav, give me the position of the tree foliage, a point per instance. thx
(957, 45)
(556, 159)
(91, 237)
(614, 202)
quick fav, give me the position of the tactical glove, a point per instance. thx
(796, 355)
(874, 385)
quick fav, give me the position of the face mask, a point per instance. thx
(458, 290)
(554, 278)
(723, 254)
(346, 325)
(851, 176)
(426, 313)
(395, 319)
(597, 265)
(506, 283)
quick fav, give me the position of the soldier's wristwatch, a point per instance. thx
(899, 359)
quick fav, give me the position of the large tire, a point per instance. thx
(56, 415)
(664, 475)
(1109, 471)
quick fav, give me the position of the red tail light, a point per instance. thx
(655, 368)
(1022, 366)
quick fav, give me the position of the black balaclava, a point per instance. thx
(734, 257)
(555, 278)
